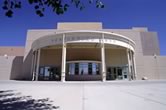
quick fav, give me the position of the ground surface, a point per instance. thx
(116, 95)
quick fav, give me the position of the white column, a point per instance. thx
(129, 64)
(63, 67)
(103, 66)
(134, 65)
(38, 64)
(32, 65)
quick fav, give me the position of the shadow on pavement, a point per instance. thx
(9, 100)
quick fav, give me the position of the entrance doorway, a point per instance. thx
(117, 73)
(49, 73)
(83, 70)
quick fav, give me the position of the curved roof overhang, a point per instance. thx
(83, 36)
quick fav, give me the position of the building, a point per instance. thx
(84, 51)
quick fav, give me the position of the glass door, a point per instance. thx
(48, 73)
(83, 68)
(125, 73)
(117, 73)
(111, 73)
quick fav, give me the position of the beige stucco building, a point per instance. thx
(84, 51)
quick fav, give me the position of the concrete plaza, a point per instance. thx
(114, 95)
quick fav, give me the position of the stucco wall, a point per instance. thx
(116, 57)
(12, 50)
(83, 54)
(161, 68)
(150, 44)
(11, 67)
(134, 35)
(153, 67)
(79, 26)
(51, 57)
(32, 35)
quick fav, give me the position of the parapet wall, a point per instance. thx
(11, 67)
(152, 67)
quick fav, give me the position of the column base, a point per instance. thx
(33, 76)
(63, 77)
(36, 77)
(130, 77)
(104, 76)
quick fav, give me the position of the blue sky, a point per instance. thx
(116, 14)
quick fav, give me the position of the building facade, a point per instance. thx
(84, 51)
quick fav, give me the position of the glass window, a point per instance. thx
(119, 71)
(47, 71)
(97, 69)
(71, 69)
(41, 71)
(94, 68)
(76, 68)
(83, 68)
(90, 68)
(114, 70)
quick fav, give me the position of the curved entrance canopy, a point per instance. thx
(83, 36)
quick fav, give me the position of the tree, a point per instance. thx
(57, 6)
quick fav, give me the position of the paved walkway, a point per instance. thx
(115, 95)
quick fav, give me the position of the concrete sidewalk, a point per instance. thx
(114, 95)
